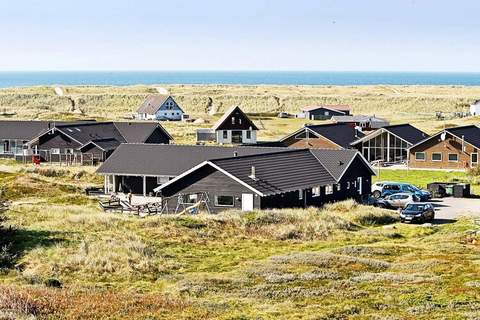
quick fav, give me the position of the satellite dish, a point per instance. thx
(443, 136)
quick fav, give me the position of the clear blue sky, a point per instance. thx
(377, 35)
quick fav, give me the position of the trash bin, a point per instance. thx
(461, 190)
(449, 190)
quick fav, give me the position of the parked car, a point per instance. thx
(394, 187)
(417, 212)
(377, 188)
(283, 115)
(395, 201)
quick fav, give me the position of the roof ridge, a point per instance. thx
(261, 154)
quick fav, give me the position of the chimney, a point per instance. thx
(252, 174)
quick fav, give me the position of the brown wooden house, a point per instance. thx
(452, 148)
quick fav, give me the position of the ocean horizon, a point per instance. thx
(332, 78)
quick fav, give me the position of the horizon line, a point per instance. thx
(239, 71)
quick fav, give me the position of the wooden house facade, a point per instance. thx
(452, 148)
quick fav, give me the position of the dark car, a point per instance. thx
(417, 212)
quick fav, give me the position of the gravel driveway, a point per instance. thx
(448, 209)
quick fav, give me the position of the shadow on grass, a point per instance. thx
(441, 221)
(24, 240)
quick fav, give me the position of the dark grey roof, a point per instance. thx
(86, 132)
(104, 144)
(278, 172)
(340, 133)
(27, 130)
(168, 159)
(335, 161)
(470, 133)
(407, 132)
(138, 132)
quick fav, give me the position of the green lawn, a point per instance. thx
(421, 178)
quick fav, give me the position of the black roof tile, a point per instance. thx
(340, 133)
(278, 172)
(407, 132)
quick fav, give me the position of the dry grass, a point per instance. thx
(413, 104)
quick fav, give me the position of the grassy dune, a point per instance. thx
(414, 104)
(345, 261)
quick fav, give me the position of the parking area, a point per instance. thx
(450, 208)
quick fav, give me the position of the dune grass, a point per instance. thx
(413, 104)
(338, 262)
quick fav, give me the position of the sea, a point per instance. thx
(344, 78)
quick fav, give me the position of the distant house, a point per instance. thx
(234, 127)
(390, 143)
(259, 181)
(324, 112)
(325, 136)
(140, 168)
(475, 108)
(83, 142)
(365, 123)
(159, 107)
(451, 148)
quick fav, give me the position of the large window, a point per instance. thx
(386, 147)
(224, 201)
(420, 156)
(436, 156)
(453, 157)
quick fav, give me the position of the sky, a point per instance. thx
(310, 35)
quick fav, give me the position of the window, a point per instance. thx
(233, 120)
(348, 185)
(192, 198)
(225, 134)
(316, 191)
(328, 189)
(239, 120)
(249, 134)
(300, 194)
(420, 156)
(162, 179)
(224, 201)
(474, 159)
(436, 156)
(55, 151)
(327, 113)
(69, 151)
(453, 157)
(339, 187)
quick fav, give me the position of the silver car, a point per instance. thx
(397, 200)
